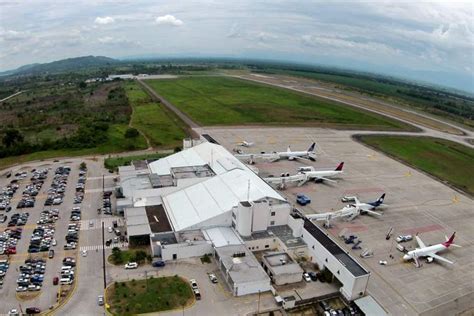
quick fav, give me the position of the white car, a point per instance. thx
(212, 277)
(84, 253)
(306, 277)
(383, 262)
(131, 265)
(403, 238)
(109, 229)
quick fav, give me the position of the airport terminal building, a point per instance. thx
(203, 200)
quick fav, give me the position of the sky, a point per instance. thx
(429, 41)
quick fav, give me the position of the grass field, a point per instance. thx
(162, 128)
(147, 296)
(229, 101)
(116, 142)
(447, 161)
(435, 102)
(114, 163)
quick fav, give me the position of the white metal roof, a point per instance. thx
(212, 196)
(216, 156)
(222, 236)
(369, 306)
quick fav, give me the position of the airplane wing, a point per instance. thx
(301, 158)
(420, 242)
(290, 179)
(373, 213)
(435, 256)
(254, 156)
(325, 179)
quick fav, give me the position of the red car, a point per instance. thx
(11, 251)
(55, 281)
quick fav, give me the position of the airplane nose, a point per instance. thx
(406, 257)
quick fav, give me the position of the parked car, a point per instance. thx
(158, 263)
(306, 277)
(403, 238)
(32, 310)
(100, 300)
(212, 277)
(131, 265)
(302, 199)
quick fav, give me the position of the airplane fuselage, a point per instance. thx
(321, 174)
(424, 252)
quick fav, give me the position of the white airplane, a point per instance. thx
(369, 206)
(348, 212)
(245, 143)
(290, 155)
(306, 174)
(430, 251)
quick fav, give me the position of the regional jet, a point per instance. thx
(306, 174)
(275, 156)
(430, 252)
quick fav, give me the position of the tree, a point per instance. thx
(82, 84)
(83, 166)
(140, 255)
(131, 132)
(11, 137)
(117, 255)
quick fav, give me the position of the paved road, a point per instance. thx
(426, 131)
(186, 119)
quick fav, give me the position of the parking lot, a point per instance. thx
(415, 202)
(60, 234)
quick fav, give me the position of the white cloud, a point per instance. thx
(169, 20)
(104, 20)
(12, 35)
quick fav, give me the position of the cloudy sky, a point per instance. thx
(430, 41)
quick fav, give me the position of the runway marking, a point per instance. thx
(423, 229)
(351, 228)
(99, 247)
(97, 223)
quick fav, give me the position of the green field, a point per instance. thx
(116, 142)
(428, 99)
(229, 101)
(447, 161)
(147, 296)
(114, 163)
(161, 127)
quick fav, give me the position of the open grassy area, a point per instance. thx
(114, 163)
(438, 102)
(147, 296)
(160, 126)
(447, 161)
(116, 142)
(229, 101)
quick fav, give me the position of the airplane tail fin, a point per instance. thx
(449, 242)
(380, 199)
(288, 149)
(340, 166)
(311, 148)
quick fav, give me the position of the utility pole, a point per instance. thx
(103, 254)
(258, 306)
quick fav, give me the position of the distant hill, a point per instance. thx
(64, 65)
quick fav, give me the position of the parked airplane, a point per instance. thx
(430, 251)
(290, 155)
(369, 206)
(306, 174)
(348, 212)
(245, 143)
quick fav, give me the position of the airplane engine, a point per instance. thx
(291, 158)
